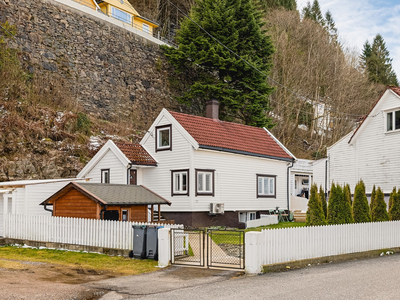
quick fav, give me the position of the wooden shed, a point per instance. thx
(104, 201)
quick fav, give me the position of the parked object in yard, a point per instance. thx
(139, 242)
(152, 242)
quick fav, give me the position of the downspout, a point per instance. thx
(101, 212)
(288, 185)
(129, 174)
(47, 209)
(98, 7)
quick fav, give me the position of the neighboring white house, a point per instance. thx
(301, 178)
(23, 197)
(203, 166)
(371, 151)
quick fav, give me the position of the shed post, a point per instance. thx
(253, 252)
(159, 212)
(152, 213)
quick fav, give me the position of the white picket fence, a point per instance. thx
(290, 244)
(85, 232)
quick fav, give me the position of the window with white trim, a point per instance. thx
(105, 176)
(266, 185)
(120, 15)
(163, 138)
(124, 215)
(205, 182)
(246, 216)
(393, 120)
(180, 182)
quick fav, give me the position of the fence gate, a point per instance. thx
(219, 248)
(225, 248)
(187, 247)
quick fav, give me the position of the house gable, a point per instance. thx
(108, 147)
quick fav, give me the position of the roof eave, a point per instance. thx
(245, 153)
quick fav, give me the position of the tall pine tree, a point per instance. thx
(241, 90)
(377, 63)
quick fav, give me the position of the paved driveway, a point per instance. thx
(375, 278)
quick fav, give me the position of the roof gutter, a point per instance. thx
(47, 209)
(245, 153)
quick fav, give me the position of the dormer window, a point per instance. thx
(163, 138)
(393, 120)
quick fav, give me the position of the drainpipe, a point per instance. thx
(47, 209)
(129, 174)
(288, 184)
(326, 179)
(103, 210)
(97, 6)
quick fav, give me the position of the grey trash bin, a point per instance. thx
(152, 242)
(139, 242)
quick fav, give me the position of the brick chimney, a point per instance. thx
(212, 109)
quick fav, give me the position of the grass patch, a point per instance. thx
(277, 226)
(93, 261)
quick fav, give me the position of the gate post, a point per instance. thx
(164, 240)
(253, 252)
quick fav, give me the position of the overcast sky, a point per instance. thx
(360, 20)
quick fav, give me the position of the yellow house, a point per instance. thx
(123, 11)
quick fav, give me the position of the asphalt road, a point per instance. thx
(375, 278)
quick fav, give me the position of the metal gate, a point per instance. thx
(187, 247)
(220, 248)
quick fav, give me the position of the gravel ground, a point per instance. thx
(47, 281)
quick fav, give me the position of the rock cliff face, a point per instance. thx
(112, 72)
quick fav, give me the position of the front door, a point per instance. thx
(133, 177)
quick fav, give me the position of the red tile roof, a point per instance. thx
(394, 89)
(230, 137)
(136, 154)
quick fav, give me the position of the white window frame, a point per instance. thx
(177, 179)
(159, 131)
(146, 28)
(247, 216)
(201, 184)
(266, 190)
(393, 112)
(115, 15)
(103, 177)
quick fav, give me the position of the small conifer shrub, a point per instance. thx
(395, 208)
(360, 204)
(315, 214)
(339, 209)
(373, 195)
(323, 201)
(379, 212)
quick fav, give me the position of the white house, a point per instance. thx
(371, 151)
(23, 197)
(203, 166)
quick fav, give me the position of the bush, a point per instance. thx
(360, 204)
(372, 203)
(83, 123)
(391, 199)
(378, 211)
(395, 208)
(339, 209)
(315, 214)
(347, 194)
(323, 201)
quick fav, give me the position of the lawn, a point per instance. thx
(92, 261)
(233, 237)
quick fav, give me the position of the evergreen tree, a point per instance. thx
(315, 214)
(241, 90)
(313, 12)
(323, 201)
(372, 202)
(330, 25)
(377, 63)
(378, 210)
(395, 208)
(360, 204)
(339, 209)
(347, 194)
(391, 198)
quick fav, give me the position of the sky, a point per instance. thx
(360, 20)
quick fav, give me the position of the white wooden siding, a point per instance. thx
(158, 179)
(373, 156)
(319, 168)
(118, 172)
(236, 181)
